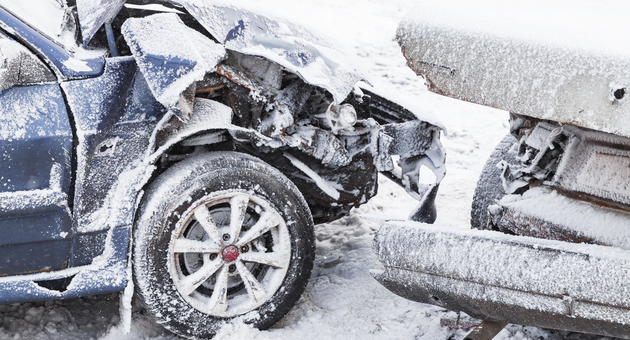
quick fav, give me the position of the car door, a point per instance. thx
(35, 164)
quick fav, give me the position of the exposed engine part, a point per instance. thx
(333, 150)
(341, 117)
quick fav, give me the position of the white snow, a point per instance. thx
(46, 16)
(342, 300)
(77, 65)
(165, 38)
(550, 60)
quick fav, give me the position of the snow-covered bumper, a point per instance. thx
(514, 279)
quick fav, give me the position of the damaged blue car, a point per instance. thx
(182, 151)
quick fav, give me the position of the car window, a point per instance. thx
(46, 16)
(19, 66)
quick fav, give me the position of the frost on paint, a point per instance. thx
(93, 13)
(289, 45)
(171, 56)
(555, 61)
(491, 275)
(30, 113)
(18, 66)
(587, 221)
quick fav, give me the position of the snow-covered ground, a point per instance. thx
(342, 300)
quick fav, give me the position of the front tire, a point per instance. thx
(222, 236)
(489, 188)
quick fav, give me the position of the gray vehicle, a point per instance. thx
(550, 244)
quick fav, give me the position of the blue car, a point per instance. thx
(182, 151)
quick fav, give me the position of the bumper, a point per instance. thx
(498, 277)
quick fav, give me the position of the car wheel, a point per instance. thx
(489, 187)
(221, 237)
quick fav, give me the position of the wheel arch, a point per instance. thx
(220, 161)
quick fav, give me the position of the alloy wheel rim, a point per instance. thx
(229, 254)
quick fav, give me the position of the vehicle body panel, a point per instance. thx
(114, 129)
(515, 279)
(528, 64)
(129, 118)
(36, 144)
(64, 64)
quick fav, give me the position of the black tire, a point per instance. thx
(168, 262)
(489, 187)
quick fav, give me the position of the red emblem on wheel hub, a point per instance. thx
(230, 253)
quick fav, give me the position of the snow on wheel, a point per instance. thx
(222, 236)
(489, 187)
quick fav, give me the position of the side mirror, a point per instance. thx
(20, 67)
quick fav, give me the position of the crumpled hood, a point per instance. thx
(94, 13)
(289, 45)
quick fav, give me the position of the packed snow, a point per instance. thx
(342, 300)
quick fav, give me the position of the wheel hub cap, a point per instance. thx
(230, 253)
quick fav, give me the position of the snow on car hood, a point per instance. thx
(170, 55)
(291, 46)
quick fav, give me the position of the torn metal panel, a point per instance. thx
(289, 45)
(94, 13)
(493, 276)
(171, 56)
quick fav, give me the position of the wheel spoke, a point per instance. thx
(272, 259)
(254, 289)
(238, 206)
(267, 221)
(191, 282)
(202, 215)
(184, 245)
(218, 300)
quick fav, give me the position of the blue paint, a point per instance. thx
(40, 138)
(54, 54)
(112, 277)
(117, 106)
